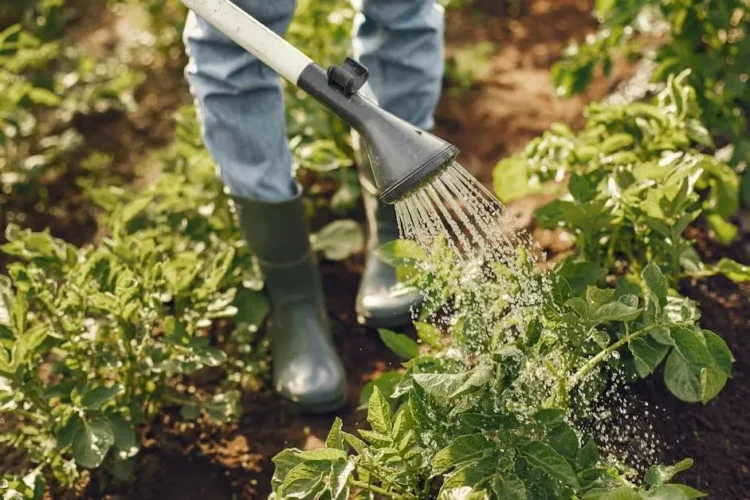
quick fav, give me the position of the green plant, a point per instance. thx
(468, 65)
(96, 341)
(707, 37)
(46, 86)
(28, 487)
(635, 177)
(495, 413)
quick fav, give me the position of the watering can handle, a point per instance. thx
(253, 36)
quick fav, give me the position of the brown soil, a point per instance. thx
(511, 105)
(516, 101)
(716, 435)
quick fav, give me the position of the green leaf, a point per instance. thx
(125, 438)
(588, 456)
(91, 442)
(548, 460)
(18, 314)
(656, 282)
(662, 474)
(623, 493)
(402, 345)
(682, 378)
(44, 97)
(338, 483)
(441, 385)
(597, 297)
(478, 376)
(98, 396)
(305, 480)
(470, 478)
(224, 406)
(386, 382)
(712, 382)
(6, 300)
(648, 354)
(461, 493)
(379, 413)
(134, 208)
(511, 179)
(252, 307)
(689, 492)
(564, 440)
(399, 253)
(509, 487)
(666, 492)
(719, 351)
(335, 440)
(691, 345)
(580, 275)
(284, 462)
(462, 450)
(724, 232)
(359, 446)
(735, 271)
(338, 240)
(323, 454)
(27, 343)
(489, 422)
(68, 431)
(616, 311)
(428, 334)
(550, 417)
(190, 412)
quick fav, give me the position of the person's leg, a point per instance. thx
(242, 115)
(241, 105)
(401, 43)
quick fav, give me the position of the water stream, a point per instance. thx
(486, 242)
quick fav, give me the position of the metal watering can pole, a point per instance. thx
(403, 156)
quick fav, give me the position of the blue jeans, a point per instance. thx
(240, 99)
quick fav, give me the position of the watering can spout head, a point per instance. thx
(403, 156)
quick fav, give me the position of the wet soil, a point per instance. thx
(512, 104)
(716, 435)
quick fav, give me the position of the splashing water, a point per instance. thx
(454, 208)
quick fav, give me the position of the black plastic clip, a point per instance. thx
(349, 78)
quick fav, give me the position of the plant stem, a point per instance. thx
(384, 479)
(591, 364)
(379, 490)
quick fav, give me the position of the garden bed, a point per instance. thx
(511, 104)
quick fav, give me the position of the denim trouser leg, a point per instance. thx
(241, 105)
(240, 99)
(401, 43)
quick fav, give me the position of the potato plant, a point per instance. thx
(709, 38)
(44, 86)
(95, 339)
(636, 177)
(492, 409)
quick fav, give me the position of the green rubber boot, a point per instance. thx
(306, 368)
(382, 302)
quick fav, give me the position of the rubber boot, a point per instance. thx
(382, 302)
(306, 368)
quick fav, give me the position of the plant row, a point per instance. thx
(499, 404)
